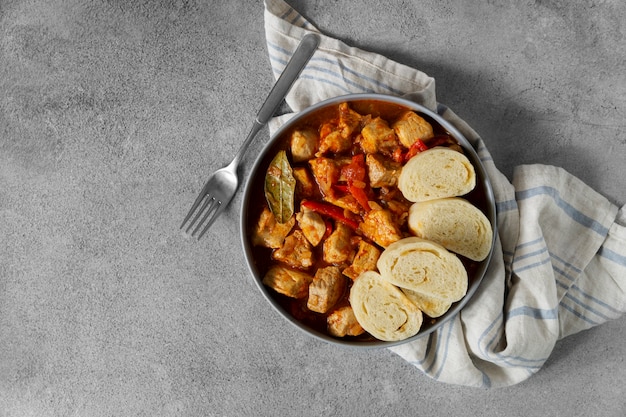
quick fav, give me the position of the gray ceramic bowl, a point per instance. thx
(482, 198)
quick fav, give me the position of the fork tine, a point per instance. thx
(195, 205)
(213, 210)
(208, 201)
(218, 209)
(204, 212)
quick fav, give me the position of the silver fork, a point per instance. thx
(222, 184)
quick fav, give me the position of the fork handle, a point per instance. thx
(294, 67)
(290, 74)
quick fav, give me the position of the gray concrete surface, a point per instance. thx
(111, 115)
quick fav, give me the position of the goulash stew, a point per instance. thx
(328, 205)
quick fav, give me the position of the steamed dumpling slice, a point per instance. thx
(455, 224)
(436, 173)
(382, 309)
(431, 306)
(424, 267)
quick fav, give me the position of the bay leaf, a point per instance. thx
(280, 187)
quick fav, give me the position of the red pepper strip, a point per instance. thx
(329, 229)
(360, 195)
(331, 211)
(356, 175)
(355, 170)
(417, 147)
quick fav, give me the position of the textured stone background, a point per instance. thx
(113, 112)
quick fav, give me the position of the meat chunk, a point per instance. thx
(304, 144)
(327, 286)
(338, 247)
(410, 127)
(365, 260)
(305, 184)
(400, 210)
(312, 225)
(380, 226)
(326, 173)
(382, 172)
(289, 282)
(296, 251)
(347, 202)
(268, 232)
(334, 142)
(377, 136)
(349, 120)
(342, 322)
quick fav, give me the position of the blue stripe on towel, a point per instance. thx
(487, 350)
(598, 301)
(444, 356)
(585, 306)
(607, 253)
(568, 209)
(513, 361)
(281, 50)
(577, 314)
(531, 266)
(327, 72)
(337, 72)
(429, 348)
(567, 265)
(529, 243)
(325, 81)
(531, 254)
(295, 16)
(509, 205)
(364, 77)
(340, 77)
(535, 313)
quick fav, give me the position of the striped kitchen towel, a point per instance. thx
(559, 265)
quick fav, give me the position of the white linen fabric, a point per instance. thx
(559, 265)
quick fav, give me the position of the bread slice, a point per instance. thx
(431, 306)
(436, 173)
(455, 224)
(382, 309)
(424, 267)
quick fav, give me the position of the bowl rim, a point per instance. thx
(478, 166)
